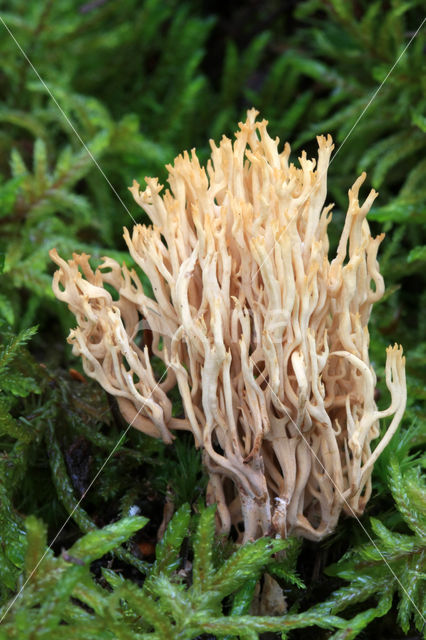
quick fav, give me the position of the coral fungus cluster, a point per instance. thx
(266, 338)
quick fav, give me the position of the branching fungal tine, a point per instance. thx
(265, 338)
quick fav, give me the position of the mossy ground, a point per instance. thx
(141, 81)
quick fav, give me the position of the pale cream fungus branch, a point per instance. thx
(266, 339)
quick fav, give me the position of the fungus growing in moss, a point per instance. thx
(266, 338)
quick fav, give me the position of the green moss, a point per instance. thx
(140, 82)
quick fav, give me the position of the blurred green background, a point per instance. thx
(140, 81)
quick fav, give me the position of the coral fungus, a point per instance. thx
(266, 338)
